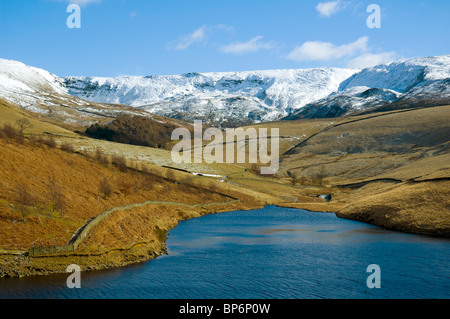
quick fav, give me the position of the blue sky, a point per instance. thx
(148, 37)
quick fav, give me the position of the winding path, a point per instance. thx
(84, 230)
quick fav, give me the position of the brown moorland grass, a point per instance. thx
(364, 162)
(422, 208)
(79, 179)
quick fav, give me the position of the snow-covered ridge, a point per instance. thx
(409, 83)
(22, 84)
(257, 95)
(39, 91)
(250, 96)
(18, 77)
(401, 76)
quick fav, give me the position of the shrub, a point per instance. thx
(120, 161)
(67, 147)
(50, 142)
(320, 175)
(105, 188)
(101, 157)
(9, 130)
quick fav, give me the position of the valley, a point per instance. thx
(390, 168)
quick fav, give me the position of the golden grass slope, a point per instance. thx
(422, 208)
(78, 179)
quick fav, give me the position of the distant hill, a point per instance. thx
(420, 82)
(231, 98)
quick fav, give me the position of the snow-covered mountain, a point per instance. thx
(411, 83)
(41, 92)
(218, 97)
(232, 97)
(25, 85)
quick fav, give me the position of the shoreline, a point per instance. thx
(23, 264)
(19, 264)
(384, 223)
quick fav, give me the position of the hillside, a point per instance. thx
(260, 96)
(416, 82)
(45, 94)
(391, 169)
(215, 97)
(136, 130)
(231, 98)
(48, 192)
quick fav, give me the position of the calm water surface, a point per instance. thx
(267, 253)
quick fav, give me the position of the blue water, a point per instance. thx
(267, 253)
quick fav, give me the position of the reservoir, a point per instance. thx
(267, 253)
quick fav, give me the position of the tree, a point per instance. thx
(56, 194)
(24, 198)
(23, 124)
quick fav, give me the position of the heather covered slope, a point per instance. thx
(85, 187)
(391, 169)
(48, 192)
(421, 208)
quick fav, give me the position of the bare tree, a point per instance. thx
(256, 169)
(147, 182)
(126, 186)
(24, 198)
(23, 124)
(56, 194)
(170, 175)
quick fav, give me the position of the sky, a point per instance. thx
(162, 37)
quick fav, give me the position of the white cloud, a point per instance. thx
(253, 45)
(186, 41)
(198, 36)
(324, 51)
(327, 9)
(368, 60)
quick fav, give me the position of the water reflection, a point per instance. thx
(268, 253)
